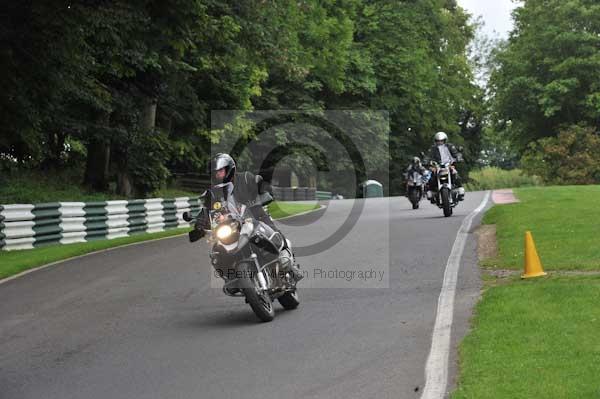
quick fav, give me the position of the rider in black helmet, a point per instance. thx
(242, 188)
(238, 189)
(416, 166)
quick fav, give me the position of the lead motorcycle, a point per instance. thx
(253, 259)
(445, 195)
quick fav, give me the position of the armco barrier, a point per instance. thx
(24, 226)
(323, 195)
(299, 194)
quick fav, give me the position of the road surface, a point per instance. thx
(145, 321)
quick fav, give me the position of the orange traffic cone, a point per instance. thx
(533, 266)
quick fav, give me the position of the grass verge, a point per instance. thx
(14, 262)
(564, 224)
(282, 209)
(534, 339)
(538, 338)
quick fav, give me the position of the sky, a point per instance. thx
(495, 13)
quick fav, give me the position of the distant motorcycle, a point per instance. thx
(252, 258)
(445, 194)
(416, 187)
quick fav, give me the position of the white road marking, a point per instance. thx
(436, 369)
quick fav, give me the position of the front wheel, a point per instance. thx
(446, 206)
(289, 300)
(260, 302)
(414, 196)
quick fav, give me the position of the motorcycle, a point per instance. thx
(416, 187)
(254, 260)
(446, 195)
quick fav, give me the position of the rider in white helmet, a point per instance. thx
(444, 152)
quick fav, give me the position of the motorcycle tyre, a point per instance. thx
(446, 206)
(258, 305)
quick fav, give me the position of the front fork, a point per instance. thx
(260, 273)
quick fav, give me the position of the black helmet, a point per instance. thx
(222, 161)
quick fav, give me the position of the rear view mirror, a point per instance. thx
(186, 216)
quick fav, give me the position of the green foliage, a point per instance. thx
(490, 178)
(128, 79)
(547, 75)
(31, 187)
(570, 158)
(146, 160)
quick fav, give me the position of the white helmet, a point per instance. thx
(440, 136)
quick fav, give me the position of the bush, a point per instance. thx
(573, 157)
(490, 178)
(32, 186)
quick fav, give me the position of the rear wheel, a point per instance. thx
(445, 194)
(289, 300)
(259, 301)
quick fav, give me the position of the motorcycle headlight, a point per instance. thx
(228, 233)
(224, 231)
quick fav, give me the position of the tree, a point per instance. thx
(547, 75)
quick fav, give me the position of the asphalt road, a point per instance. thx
(146, 321)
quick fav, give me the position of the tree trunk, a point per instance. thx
(55, 145)
(98, 157)
(149, 115)
(126, 185)
(98, 160)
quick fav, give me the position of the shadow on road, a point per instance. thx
(242, 317)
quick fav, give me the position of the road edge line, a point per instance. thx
(436, 368)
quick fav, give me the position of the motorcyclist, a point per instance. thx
(416, 166)
(443, 152)
(237, 189)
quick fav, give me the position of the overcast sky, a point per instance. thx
(495, 13)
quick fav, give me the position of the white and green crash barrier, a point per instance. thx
(25, 226)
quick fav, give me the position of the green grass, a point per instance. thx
(14, 262)
(534, 339)
(173, 193)
(32, 187)
(283, 209)
(564, 221)
(539, 338)
(35, 187)
(490, 178)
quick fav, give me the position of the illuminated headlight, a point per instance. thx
(228, 233)
(224, 231)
